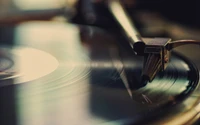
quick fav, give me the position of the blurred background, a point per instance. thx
(177, 19)
(174, 18)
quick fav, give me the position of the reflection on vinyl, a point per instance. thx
(23, 64)
(64, 74)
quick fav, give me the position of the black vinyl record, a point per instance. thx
(60, 74)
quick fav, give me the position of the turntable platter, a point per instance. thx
(75, 79)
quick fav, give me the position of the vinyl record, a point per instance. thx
(64, 74)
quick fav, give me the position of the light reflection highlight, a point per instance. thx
(32, 64)
(39, 4)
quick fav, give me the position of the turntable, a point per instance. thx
(57, 72)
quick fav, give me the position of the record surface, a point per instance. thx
(63, 74)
